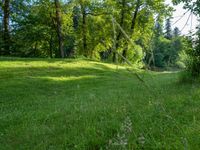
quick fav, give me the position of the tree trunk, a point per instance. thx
(124, 53)
(35, 49)
(133, 22)
(135, 16)
(59, 28)
(84, 28)
(121, 24)
(51, 47)
(76, 14)
(6, 35)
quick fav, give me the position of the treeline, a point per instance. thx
(71, 28)
(168, 46)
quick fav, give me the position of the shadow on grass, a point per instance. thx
(48, 60)
(26, 82)
(88, 100)
(51, 78)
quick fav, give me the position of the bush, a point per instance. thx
(194, 58)
(187, 77)
(194, 67)
(180, 65)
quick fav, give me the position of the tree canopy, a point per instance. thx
(73, 28)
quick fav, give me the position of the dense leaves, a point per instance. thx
(71, 28)
(194, 54)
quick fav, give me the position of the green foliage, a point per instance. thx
(182, 60)
(166, 52)
(194, 54)
(186, 47)
(86, 27)
(186, 77)
(135, 54)
(162, 52)
(1, 27)
(168, 28)
(176, 32)
(194, 58)
(189, 4)
(87, 30)
(166, 49)
(1, 38)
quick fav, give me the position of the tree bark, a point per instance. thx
(51, 47)
(133, 22)
(59, 28)
(84, 28)
(6, 35)
(121, 24)
(35, 49)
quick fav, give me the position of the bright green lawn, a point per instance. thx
(78, 104)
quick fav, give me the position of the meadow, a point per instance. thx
(83, 104)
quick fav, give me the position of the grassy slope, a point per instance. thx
(79, 104)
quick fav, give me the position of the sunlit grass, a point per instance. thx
(70, 78)
(81, 104)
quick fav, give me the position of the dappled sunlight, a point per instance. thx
(69, 78)
(95, 99)
(108, 66)
(98, 75)
(169, 72)
(78, 64)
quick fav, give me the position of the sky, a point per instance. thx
(191, 23)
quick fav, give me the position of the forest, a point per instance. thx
(70, 29)
(98, 74)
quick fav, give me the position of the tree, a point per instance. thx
(165, 51)
(193, 64)
(133, 23)
(158, 31)
(6, 34)
(1, 27)
(53, 28)
(88, 11)
(59, 27)
(168, 29)
(194, 6)
(176, 32)
(135, 17)
(121, 23)
(194, 54)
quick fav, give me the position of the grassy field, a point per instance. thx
(80, 104)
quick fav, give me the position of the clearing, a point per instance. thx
(82, 104)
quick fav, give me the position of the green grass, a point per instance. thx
(79, 104)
